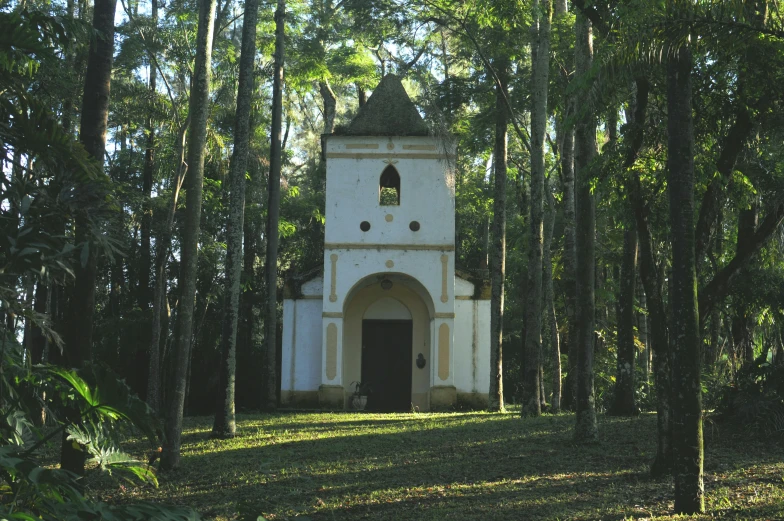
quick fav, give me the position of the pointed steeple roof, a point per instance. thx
(388, 112)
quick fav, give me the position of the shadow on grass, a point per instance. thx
(459, 466)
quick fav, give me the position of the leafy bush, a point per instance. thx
(756, 398)
(30, 491)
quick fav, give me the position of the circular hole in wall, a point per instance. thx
(364, 226)
(414, 226)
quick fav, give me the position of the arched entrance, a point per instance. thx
(388, 323)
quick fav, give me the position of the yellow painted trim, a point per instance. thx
(464, 297)
(391, 155)
(332, 352)
(419, 147)
(369, 246)
(332, 314)
(333, 297)
(443, 352)
(444, 265)
(362, 145)
(444, 315)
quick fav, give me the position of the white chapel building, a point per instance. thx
(388, 309)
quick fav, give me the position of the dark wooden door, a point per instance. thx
(386, 364)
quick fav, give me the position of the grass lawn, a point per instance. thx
(460, 466)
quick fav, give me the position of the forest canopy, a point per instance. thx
(619, 181)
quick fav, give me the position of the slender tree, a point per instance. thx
(584, 152)
(224, 425)
(197, 137)
(498, 248)
(540, 63)
(273, 214)
(624, 403)
(92, 134)
(687, 408)
(159, 293)
(145, 255)
(565, 140)
(549, 320)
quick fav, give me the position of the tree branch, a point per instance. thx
(718, 286)
(593, 15)
(490, 70)
(152, 55)
(733, 145)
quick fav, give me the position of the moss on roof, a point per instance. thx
(388, 112)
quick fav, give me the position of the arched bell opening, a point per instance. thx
(389, 187)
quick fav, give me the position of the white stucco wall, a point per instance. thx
(314, 287)
(354, 265)
(387, 308)
(301, 353)
(463, 288)
(426, 191)
(472, 346)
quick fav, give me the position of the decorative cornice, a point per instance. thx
(392, 155)
(369, 246)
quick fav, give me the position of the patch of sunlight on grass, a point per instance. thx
(434, 466)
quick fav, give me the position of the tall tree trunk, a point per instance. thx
(585, 216)
(116, 357)
(498, 249)
(197, 137)
(565, 140)
(92, 134)
(642, 328)
(37, 337)
(745, 319)
(70, 62)
(330, 105)
(652, 284)
(711, 354)
(249, 355)
(687, 408)
(624, 403)
(145, 255)
(361, 94)
(224, 425)
(159, 304)
(550, 324)
(659, 341)
(273, 213)
(540, 63)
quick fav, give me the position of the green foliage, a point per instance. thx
(28, 41)
(31, 491)
(755, 400)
